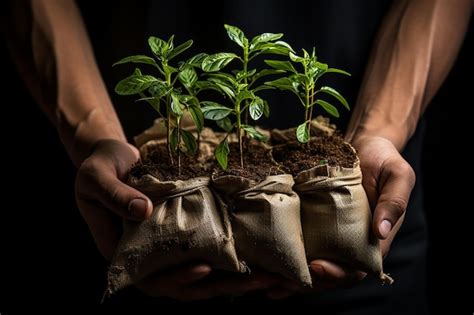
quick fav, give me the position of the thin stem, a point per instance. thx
(239, 133)
(179, 151)
(310, 110)
(245, 63)
(168, 123)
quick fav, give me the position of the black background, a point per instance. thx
(48, 258)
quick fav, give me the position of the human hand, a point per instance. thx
(196, 282)
(388, 181)
(103, 197)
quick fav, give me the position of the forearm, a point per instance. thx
(65, 79)
(416, 47)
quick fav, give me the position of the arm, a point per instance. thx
(61, 72)
(416, 47)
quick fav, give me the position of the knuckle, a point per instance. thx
(397, 205)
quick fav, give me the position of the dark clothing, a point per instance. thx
(342, 31)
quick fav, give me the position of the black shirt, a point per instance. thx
(342, 32)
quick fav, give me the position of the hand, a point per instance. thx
(388, 181)
(196, 282)
(103, 197)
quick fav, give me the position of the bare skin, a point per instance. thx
(76, 101)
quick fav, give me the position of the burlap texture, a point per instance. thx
(185, 226)
(265, 220)
(337, 219)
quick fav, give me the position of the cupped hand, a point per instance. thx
(388, 181)
(102, 195)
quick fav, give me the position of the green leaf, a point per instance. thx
(281, 65)
(189, 141)
(196, 61)
(226, 89)
(221, 153)
(243, 95)
(253, 133)
(169, 70)
(134, 84)
(174, 139)
(176, 105)
(188, 77)
(266, 109)
(262, 88)
(302, 132)
(179, 49)
(215, 111)
(256, 108)
(283, 84)
(321, 66)
(225, 124)
(197, 116)
(328, 108)
(137, 59)
(158, 46)
(265, 37)
(204, 85)
(236, 35)
(336, 94)
(170, 43)
(216, 62)
(240, 75)
(277, 48)
(334, 70)
(296, 58)
(266, 72)
(158, 89)
(224, 78)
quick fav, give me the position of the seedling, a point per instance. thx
(303, 85)
(240, 87)
(163, 91)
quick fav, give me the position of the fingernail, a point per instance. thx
(318, 270)
(385, 228)
(202, 269)
(138, 207)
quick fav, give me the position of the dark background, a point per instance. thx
(48, 258)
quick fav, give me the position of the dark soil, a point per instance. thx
(296, 157)
(257, 163)
(158, 164)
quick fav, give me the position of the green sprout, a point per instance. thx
(303, 85)
(240, 87)
(163, 91)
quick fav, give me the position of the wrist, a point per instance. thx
(95, 127)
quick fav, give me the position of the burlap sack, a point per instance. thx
(337, 219)
(266, 223)
(185, 226)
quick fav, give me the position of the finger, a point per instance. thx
(169, 282)
(237, 285)
(103, 226)
(397, 179)
(279, 293)
(96, 181)
(329, 271)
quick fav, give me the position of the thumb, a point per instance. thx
(396, 182)
(124, 200)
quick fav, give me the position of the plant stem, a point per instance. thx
(245, 63)
(168, 124)
(311, 92)
(179, 151)
(239, 134)
(307, 109)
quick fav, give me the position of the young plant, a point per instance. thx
(164, 95)
(240, 86)
(303, 85)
